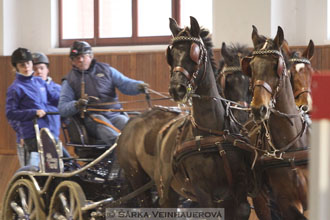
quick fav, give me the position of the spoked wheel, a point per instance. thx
(22, 201)
(67, 201)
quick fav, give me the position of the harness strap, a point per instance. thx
(202, 145)
(300, 158)
(263, 84)
(294, 170)
(211, 131)
(105, 123)
(226, 164)
(301, 91)
(295, 139)
(183, 71)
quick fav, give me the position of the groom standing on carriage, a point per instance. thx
(91, 82)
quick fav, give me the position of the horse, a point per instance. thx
(195, 159)
(136, 147)
(233, 83)
(281, 135)
(301, 75)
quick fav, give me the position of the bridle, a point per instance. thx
(198, 54)
(281, 71)
(298, 92)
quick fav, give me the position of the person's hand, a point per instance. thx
(40, 113)
(81, 103)
(142, 87)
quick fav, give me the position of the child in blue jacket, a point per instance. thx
(28, 98)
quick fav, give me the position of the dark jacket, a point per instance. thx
(101, 80)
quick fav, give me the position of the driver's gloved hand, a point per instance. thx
(142, 87)
(81, 103)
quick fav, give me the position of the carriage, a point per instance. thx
(66, 188)
(187, 139)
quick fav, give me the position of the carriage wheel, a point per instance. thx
(22, 201)
(67, 201)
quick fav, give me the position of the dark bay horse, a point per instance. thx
(300, 72)
(282, 135)
(194, 158)
(234, 84)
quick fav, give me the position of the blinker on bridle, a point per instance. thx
(198, 55)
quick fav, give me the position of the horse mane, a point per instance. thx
(207, 39)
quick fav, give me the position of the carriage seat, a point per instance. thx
(76, 135)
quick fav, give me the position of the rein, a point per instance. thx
(126, 102)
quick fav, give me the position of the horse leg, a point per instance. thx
(171, 200)
(243, 209)
(265, 206)
(137, 178)
(242, 206)
(283, 183)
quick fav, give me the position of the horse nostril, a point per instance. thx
(304, 108)
(182, 89)
(177, 91)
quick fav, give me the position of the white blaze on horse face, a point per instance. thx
(265, 45)
(299, 66)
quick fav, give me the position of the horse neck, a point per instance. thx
(208, 111)
(282, 131)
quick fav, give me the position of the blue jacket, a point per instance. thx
(54, 120)
(24, 97)
(101, 80)
(15, 126)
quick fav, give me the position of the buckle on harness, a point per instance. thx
(198, 142)
(222, 152)
(273, 155)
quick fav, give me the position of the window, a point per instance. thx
(127, 22)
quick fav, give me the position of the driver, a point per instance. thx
(100, 81)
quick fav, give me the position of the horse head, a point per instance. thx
(187, 57)
(233, 82)
(267, 69)
(301, 75)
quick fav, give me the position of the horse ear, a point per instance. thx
(245, 64)
(309, 51)
(194, 27)
(286, 48)
(279, 37)
(224, 53)
(255, 36)
(174, 27)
